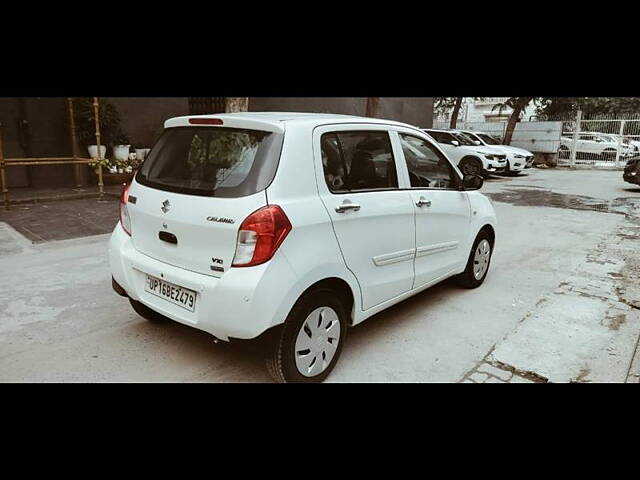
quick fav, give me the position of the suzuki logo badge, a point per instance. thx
(166, 206)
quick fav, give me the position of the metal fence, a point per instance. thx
(602, 141)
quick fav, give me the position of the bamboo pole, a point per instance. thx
(96, 115)
(74, 142)
(5, 191)
(46, 161)
(35, 159)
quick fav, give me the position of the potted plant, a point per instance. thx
(86, 125)
(121, 146)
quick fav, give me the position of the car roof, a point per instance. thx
(278, 120)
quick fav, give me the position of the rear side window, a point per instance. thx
(356, 161)
(212, 161)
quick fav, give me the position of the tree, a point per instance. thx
(236, 104)
(454, 114)
(372, 106)
(518, 104)
(445, 104)
(557, 107)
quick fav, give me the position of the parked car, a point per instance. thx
(631, 172)
(517, 158)
(291, 228)
(472, 159)
(593, 145)
(631, 148)
(634, 145)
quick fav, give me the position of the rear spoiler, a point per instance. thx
(225, 121)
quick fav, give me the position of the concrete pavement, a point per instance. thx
(557, 305)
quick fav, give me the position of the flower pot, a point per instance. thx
(93, 151)
(141, 153)
(116, 178)
(121, 152)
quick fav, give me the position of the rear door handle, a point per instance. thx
(423, 202)
(345, 207)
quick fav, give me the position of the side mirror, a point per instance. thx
(455, 143)
(472, 182)
(477, 142)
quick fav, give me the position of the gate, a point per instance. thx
(597, 141)
(600, 141)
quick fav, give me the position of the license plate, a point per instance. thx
(183, 297)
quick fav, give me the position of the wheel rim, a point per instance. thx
(481, 259)
(317, 341)
(470, 168)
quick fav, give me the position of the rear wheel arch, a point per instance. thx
(340, 287)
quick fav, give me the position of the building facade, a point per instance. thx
(39, 126)
(484, 110)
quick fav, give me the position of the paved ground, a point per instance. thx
(22, 195)
(61, 220)
(561, 303)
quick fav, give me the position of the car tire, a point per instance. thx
(146, 312)
(471, 166)
(510, 173)
(478, 255)
(295, 350)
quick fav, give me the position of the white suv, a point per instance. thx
(473, 159)
(293, 227)
(594, 145)
(517, 158)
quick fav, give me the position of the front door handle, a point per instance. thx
(423, 202)
(347, 206)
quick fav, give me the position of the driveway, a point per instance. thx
(557, 305)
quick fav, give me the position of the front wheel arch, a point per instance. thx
(491, 232)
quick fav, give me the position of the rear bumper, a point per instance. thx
(226, 307)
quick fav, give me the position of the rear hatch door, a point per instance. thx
(195, 189)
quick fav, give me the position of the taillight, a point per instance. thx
(260, 235)
(125, 219)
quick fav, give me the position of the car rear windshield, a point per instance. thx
(212, 161)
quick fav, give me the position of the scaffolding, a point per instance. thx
(75, 159)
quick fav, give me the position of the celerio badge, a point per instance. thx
(220, 220)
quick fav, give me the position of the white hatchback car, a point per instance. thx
(292, 227)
